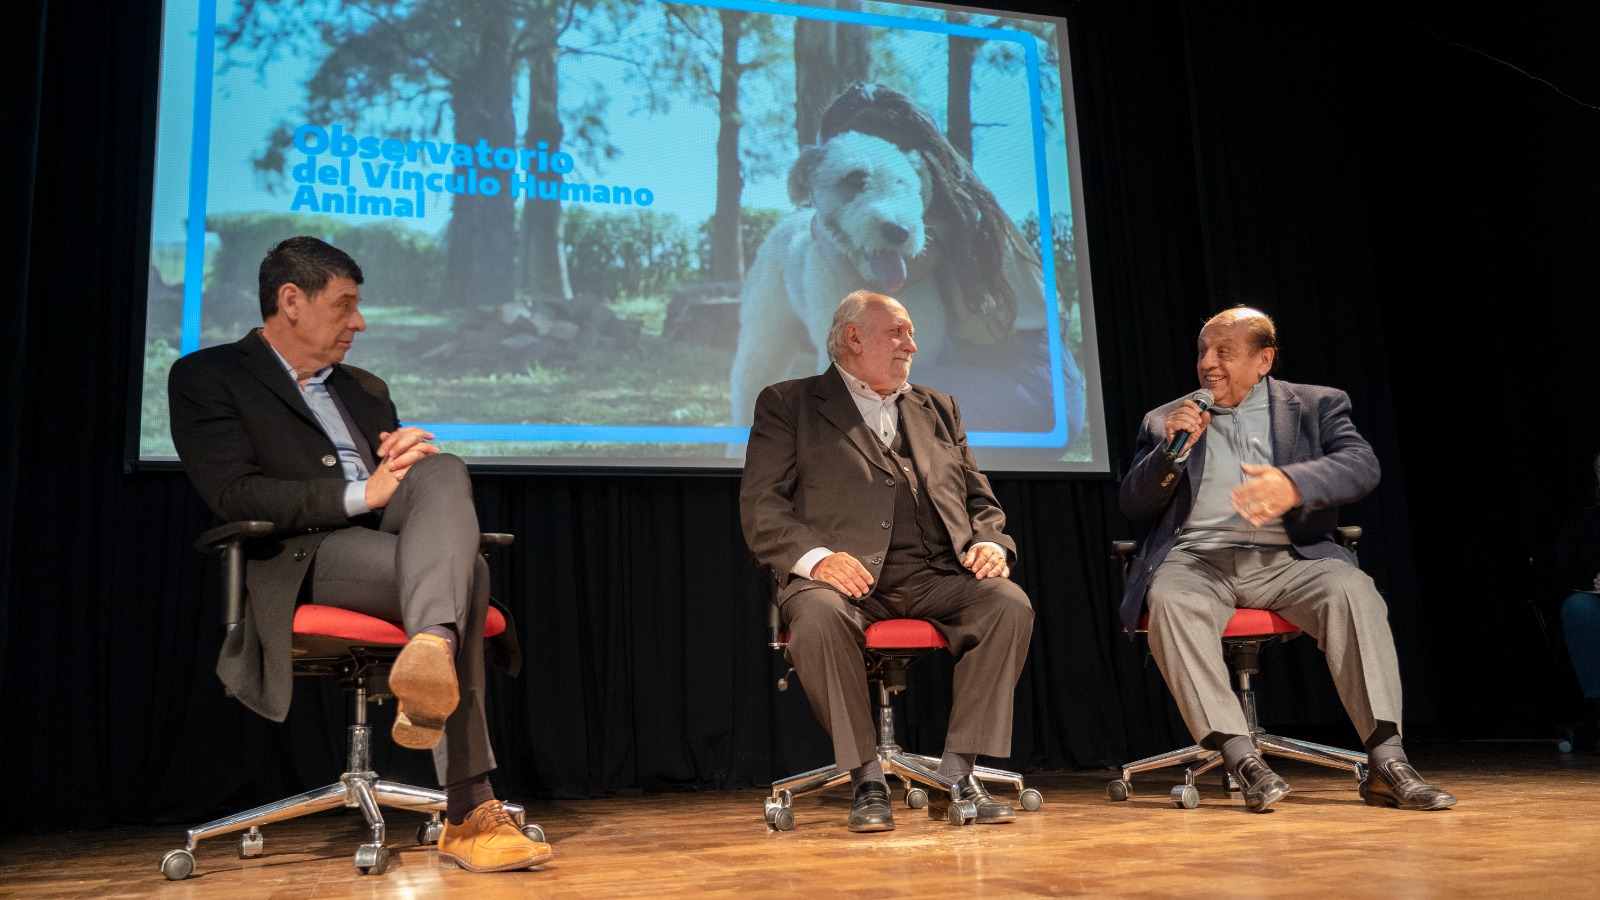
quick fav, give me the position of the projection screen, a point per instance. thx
(592, 231)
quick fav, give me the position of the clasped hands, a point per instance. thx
(845, 574)
(396, 453)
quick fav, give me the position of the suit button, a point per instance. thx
(877, 560)
(299, 555)
(885, 524)
(330, 460)
(889, 482)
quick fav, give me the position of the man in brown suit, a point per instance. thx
(861, 495)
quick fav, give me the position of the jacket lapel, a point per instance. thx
(1284, 410)
(839, 408)
(258, 359)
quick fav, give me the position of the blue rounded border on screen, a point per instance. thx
(199, 174)
(669, 434)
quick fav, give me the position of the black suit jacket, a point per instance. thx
(253, 450)
(814, 476)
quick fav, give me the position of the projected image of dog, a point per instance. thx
(860, 225)
(886, 202)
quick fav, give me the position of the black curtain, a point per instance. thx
(1416, 214)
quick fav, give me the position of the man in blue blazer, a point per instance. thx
(1243, 516)
(368, 516)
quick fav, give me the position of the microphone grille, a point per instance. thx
(1203, 398)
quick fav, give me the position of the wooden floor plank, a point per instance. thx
(1528, 824)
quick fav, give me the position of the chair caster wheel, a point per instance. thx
(533, 832)
(1564, 746)
(372, 859)
(251, 844)
(779, 817)
(962, 812)
(1119, 790)
(1031, 800)
(177, 865)
(429, 832)
(916, 798)
(1186, 796)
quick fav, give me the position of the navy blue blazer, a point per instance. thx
(1314, 442)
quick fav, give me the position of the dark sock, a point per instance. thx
(956, 766)
(1235, 747)
(448, 632)
(1384, 743)
(461, 798)
(871, 770)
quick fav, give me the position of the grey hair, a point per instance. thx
(852, 311)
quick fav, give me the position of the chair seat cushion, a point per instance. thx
(316, 620)
(903, 634)
(1246, 623)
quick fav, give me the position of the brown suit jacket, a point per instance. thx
(814, 476)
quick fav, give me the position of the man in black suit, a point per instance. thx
(860, 493)
(368, 516)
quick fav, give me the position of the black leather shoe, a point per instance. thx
(871, 811)
(990, 810)
(1395, 783)
(1261, 786)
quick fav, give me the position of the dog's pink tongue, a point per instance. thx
(888, 272)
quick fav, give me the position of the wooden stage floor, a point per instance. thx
(1527, 825)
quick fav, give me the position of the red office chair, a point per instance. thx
(891, 646)
(1247, 634)
(358, 650)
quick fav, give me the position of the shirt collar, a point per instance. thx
(864, 391)
(317, 377)
(1255, 398)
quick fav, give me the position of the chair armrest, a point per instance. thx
(495, 539)
(1348, 535)
(775, 628)
(217, 539)
(228, 540)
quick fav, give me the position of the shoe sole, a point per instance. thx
(447, 860)
(942, 814)
(1395, 804)
(871, 829)
(423, 680)
(1271, 798)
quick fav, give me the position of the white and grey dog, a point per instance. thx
(860, 225)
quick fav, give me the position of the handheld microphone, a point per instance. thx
(1202, 398)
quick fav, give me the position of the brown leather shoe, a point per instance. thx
(423, 680)
(1395, 783)
(489, 841)
(1261, 786)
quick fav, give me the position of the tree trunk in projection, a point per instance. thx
(828, 57)
(727, 251)
(480, 241)
(544, 252)
(958, 81)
